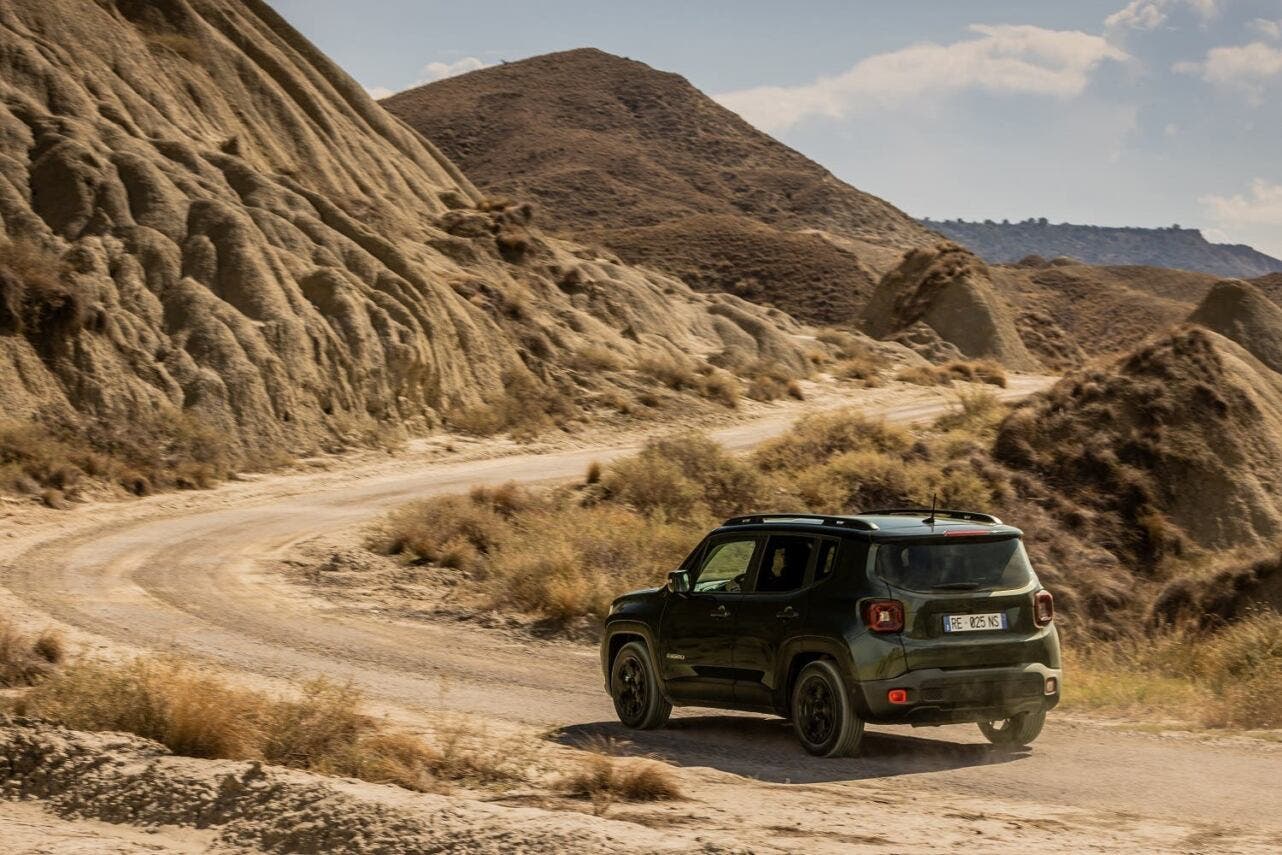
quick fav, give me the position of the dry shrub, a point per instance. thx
(196, 715)
(722, 387)
(971, 371)
(978, 371)
(771, 381)
(453, 531)
(1228, 678)
(682, 475)
(978, 411)
(1242, 664)
(593, 475)
(652, 485)
(191, 714)
(568, 562)
(924, 375)
(871, 479)
(605, 780)
(863, 368)
(24, 660)
(815, 438)
(672, 371)
(170, 450)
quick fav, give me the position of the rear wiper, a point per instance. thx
(955, 586)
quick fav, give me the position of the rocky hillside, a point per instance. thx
(1176, 444)
(204, 223)
(942, 300)
(1184, 249)
(645, 163)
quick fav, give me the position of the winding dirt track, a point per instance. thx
(188, 574)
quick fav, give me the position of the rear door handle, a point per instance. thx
(720, 612)
(788, 613)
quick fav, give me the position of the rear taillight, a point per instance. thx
(1043, 608)
(884, 615)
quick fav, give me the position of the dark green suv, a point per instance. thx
(901, 616)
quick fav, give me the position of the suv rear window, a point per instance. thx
(966, 565)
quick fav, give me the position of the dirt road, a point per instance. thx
(190, 574)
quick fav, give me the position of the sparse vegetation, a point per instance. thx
(974, 371)
(59, 464)
(563, 554)
(605, 779)
(323, 729)
(35, 299)
(1231, 677)
(526, 408)
(24, 659)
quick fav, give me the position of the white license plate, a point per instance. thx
(974, 623)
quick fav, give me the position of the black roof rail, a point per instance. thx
(969, 516)
(824, 519)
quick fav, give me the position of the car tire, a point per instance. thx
(638, 702)
(823, 718)
(1016, 731)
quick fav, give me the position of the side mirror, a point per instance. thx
(679, 582)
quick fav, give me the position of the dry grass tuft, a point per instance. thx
(25, 661)
(174, 450)
(324, 729)
(1230, 678)
(680, 476)
(605, 780)
(675, 372)
(816, 438)
(978, 412)
(976, 371)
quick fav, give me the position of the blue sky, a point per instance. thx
(1116, 112)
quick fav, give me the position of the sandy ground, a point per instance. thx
(195, 574)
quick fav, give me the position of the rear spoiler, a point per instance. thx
(968, 516)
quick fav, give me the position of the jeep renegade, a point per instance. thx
(900, 616)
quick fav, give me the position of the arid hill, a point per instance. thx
(205, 224)
(1068, 310)
(1177, 444)
(943, 298)
(1238, 311)
(645, 163)
(1185, 249)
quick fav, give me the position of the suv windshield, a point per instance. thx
(966, 565)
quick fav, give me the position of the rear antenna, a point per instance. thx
(930, 520)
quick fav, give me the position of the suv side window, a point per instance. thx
(725, 565)
(784, 563)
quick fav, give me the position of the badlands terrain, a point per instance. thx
(251, 321)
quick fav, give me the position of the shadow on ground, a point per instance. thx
(766, 749)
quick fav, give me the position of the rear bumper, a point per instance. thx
(939, 696)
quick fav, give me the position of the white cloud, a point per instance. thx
(1246, 67)
(1002, 58)
(440, 70)
(1151, 14)
(431, 73)
(1268, 29)
(1262, 205)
